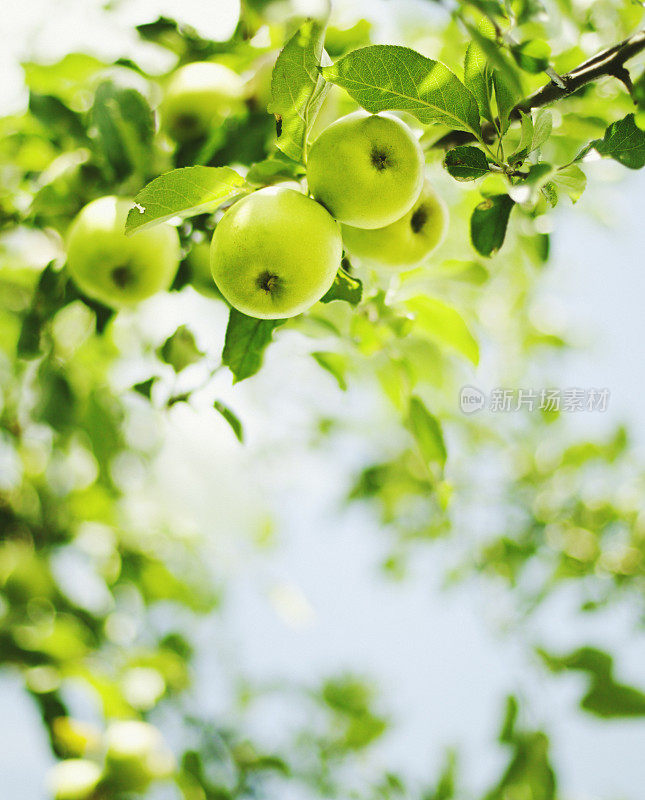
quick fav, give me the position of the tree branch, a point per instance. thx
(608, 63)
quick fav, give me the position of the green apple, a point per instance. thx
(74, 779)
(275, 253)
(199, 261)
(116, 269)
(136, 755)
(406, 241)
(366, 169)
(200, 96)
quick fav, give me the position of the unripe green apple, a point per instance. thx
(74, 779)
(366, 169)
(406, 241)
(116, 269)
(199, 261)
(275, 253)
(136, 755)
(200, 96)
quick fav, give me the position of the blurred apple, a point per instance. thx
(199, 97)
(116, 269)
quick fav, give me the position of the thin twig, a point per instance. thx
(608, 63)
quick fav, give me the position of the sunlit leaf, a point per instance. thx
(273, 170)
(506, 97)
(389, 77)
(445, 325)
(479, 79)
(335, 364)
(526, 140)
(572, 180)
(542, 128)
(184, 192)
(298, 89)
(345, 287)
(625, 142)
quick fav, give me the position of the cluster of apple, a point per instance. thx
(277, 251)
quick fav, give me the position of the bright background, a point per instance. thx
(313, 601)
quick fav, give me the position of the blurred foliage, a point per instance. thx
(605, 696)
(95, 602)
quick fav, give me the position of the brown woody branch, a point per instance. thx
(608, 63)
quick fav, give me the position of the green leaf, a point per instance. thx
(389, 77)
(183, 192)
(445, 325)
(605, 696)
(624, 141)
(488, 223)
(427, 431)
(52, 292)
(298, 89)
(65, 79)
(534, 134)
(550, 192)
(347, 695)
(29, 338)
(478, 78)
(57, 403)
(466, 163)
(484, 37)
(274, 170)
(180, 350)
(506, 98)
(144, 388)
(339, 40)
(345, 287)
(231, 418)
(532, 56)
(572, 180)
(125, 127)
(609, 699)
(526, 140)
(543, 126)
(245, 343)
(538, 174)
(445, 788)
(57, 118)
(335, 364)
